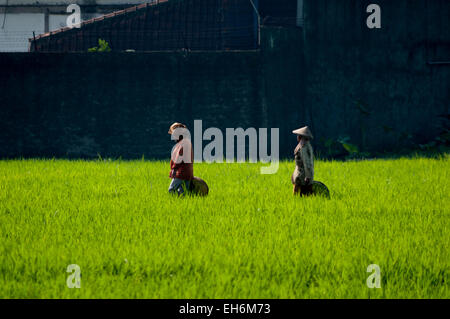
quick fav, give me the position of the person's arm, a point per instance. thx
(177, 161)
(179, 154)
(308, 162)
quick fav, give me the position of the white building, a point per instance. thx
(20, 18)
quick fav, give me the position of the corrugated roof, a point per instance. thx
(101, 18)
(161, 25)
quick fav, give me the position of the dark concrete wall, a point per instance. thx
(376, 85)
(121, 104)
(78, 105)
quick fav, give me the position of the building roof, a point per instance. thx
(161, 25)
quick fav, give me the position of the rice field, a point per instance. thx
(250, 238)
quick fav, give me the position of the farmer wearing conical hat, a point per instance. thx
(182, 160)
(304, 162)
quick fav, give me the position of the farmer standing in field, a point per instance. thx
(304, 162)
(182, 160)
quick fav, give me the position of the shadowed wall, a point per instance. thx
(380, 89)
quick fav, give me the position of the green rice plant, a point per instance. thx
(250, 238)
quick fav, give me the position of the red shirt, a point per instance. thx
(179, 166)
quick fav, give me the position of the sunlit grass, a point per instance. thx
(250, 238)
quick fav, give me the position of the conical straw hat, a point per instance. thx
(304, 131)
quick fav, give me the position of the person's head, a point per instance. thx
(303, 133)
(175, 126)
